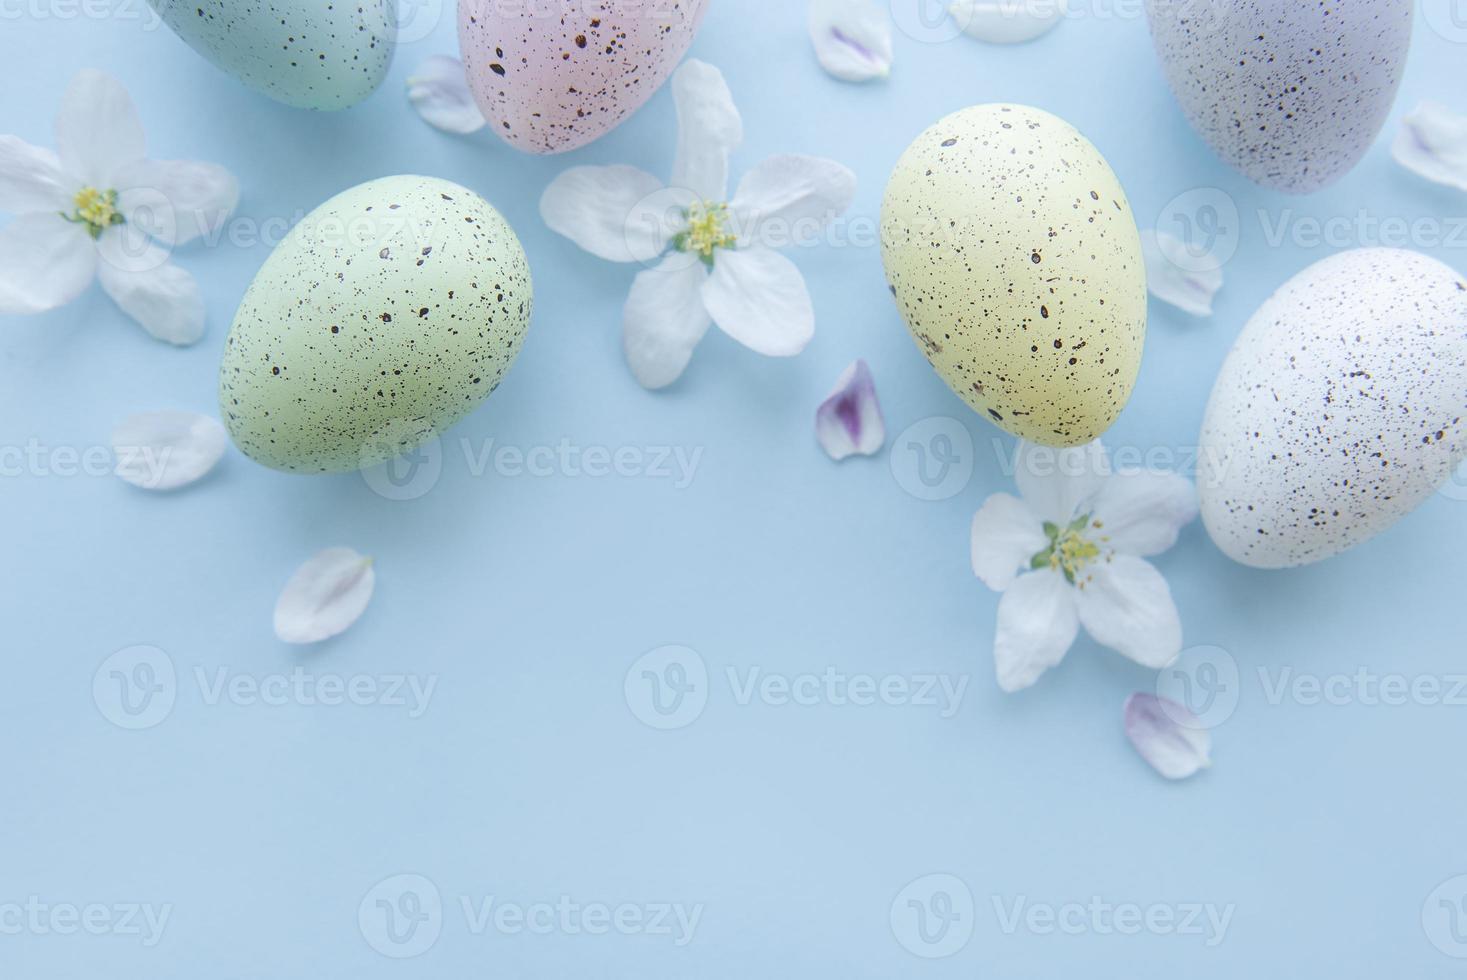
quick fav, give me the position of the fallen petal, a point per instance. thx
(1167, 735)
(1178, 274)
(167, 450)
(439, 90)
(852, 39)
(323, 598)
(849, 422)
(1432, 142)
(1008, 21)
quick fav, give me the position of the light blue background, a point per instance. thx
(529, 776)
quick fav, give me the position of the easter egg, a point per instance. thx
(553, 77)
(1342, 406)
(383, 317)
(1291, 94)
(312, 54)
(1010, 248)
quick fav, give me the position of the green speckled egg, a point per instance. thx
(388, 314)
(312, 54)
(1011, 251)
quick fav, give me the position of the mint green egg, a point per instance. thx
(384, 317)
(312, 54)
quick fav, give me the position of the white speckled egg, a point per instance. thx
(1339, 410)
(1288, 92)
(552, 77)
(385, 316)
(1011, 251)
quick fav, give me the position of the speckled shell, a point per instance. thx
(1290, 93)
(384, 317)
(1011, 251)
(312, 54)
(552, 77)
(1339, 410)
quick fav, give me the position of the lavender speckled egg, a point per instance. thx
(1340, 409)
(552, 77)
(1010, 248)
(384, 317)
(312, 54)
(1290, 93)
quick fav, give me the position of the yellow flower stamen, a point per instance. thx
(96, 209)
(707, 231)
(1071, 548)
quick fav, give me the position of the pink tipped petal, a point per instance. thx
(1167, 735)
(852, 39)
(615, 213)
(1058, 484)
(758, 298)
(325, 596)
(1126, 605)
(167, 450)
(787, 199)
(98, 131)
(709, 127)
(45, 262)
(1141, 512)
(1037, 624)
(31, 179)
(664, 320)
(1176, 275)
(849, 422)
(439, 90)
(1432, 143)
(1006, 537)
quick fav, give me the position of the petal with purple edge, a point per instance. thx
(852, 39)
(1167, 735)
(1432, 143)
(849, 422)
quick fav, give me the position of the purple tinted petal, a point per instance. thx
(849, 422)
(1167, 735)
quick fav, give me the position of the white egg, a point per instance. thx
(1340, 409)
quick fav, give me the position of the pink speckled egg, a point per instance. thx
(554, 75)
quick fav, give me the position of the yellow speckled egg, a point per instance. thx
(1010, 248)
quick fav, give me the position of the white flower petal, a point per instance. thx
(852, 39)
(323, 598)
(176, 201)
(1141, 512)
(162, 297)
(1037, 624)
(664, 320)
(1008, 21)
(439, 90)
(167, 450)
(31, 179)
(1057, 483)
(1006, 537)
(849, 422)
(1432, 142)
(787, 199)
(1126, 605)
(45, 262)
(98, 131)
(1161, 733)
(617, 213)
(709, 127)
(758, 298)
(1176, 276)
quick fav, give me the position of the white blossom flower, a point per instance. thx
(1070, 553)
(716, 265)
(98, 208)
